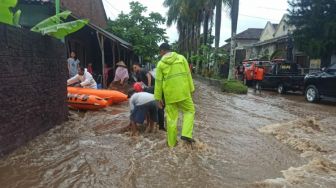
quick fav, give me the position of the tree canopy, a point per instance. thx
(315, 25)
(143, 32)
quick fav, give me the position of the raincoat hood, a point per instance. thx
(169, 58)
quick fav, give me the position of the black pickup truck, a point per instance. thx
(283, 76)
(321, 84)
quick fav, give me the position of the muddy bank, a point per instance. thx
(91, 150)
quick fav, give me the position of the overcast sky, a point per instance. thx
(252, 14)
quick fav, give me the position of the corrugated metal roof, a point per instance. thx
(111, 36)
(107, 34)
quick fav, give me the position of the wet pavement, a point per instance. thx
(232, 150)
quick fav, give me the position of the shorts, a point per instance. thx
(138, 115)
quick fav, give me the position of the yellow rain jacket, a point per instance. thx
(173, 79)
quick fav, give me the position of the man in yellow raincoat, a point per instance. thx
(174, 82)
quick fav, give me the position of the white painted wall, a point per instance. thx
(283, 28)
(267, 32)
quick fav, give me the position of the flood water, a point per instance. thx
(92, 150)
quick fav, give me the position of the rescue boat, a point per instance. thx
(85, 102)
(111, 96)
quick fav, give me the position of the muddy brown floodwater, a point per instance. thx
(233, 147)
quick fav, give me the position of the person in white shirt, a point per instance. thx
(142, 104)
(84, 77)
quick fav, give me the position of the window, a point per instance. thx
(284, 28)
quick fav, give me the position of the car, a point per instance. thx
(321, 84)
(283, 76)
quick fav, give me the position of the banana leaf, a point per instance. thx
(16, 18)
(8, 3)
(6, 16)
(51, 21)
(61, 30)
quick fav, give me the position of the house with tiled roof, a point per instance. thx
(247, 37)
(276, 41)
(243, 39)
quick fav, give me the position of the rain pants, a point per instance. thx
(173, 79)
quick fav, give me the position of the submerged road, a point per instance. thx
(91, 150)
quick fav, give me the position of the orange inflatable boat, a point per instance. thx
(111, 96)
(85, 102)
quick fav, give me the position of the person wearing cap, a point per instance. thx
(121, 74)
(173, 80)
(142, 105)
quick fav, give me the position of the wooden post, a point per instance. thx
(114, 55)
(101, 45)
(125, 56)
(118, 46)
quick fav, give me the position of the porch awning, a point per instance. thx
(111, 36)
(108, 35)
(273, 40)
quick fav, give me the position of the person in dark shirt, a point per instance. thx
(143, 76)
(147, 79)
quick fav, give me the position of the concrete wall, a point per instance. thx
(32, 86)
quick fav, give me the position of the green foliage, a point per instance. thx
(7, 14)
(234, 86)
(221, 56)
(54, 20)
(277, 54)
(143, 32)
(315, 25)
(56, 27)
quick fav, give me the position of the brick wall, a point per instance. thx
(32, 86)
(91, 9)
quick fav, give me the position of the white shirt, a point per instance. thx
(140, 98)
(86, 80)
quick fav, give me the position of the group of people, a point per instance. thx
(257, 74)
(80, 76)
(83, 77)
(169, 91)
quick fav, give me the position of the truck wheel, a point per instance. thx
(312, 94)
(281, 89)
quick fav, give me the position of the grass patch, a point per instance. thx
(234, 86)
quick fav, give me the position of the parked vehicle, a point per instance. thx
(321, 84)
(249, 68)
(283, 76)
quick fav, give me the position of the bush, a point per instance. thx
(234, 86)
